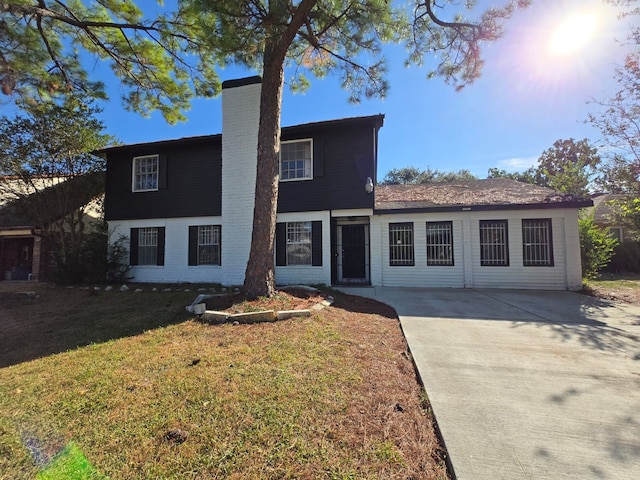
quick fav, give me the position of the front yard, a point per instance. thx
(127, 385)
(625, 288)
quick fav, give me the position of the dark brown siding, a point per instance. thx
(189, 180)
(343, 158)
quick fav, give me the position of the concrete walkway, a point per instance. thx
(524, 384)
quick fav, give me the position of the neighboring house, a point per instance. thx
(23, 253)
(186, 206)
(603, 214)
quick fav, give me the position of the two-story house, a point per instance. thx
(186, 206)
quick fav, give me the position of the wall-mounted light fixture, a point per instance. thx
(368, 186)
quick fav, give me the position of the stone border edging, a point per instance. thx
(217, 317)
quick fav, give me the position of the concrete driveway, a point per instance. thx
(527, 384)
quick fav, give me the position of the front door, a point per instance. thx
(353, 254)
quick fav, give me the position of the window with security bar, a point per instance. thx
(209, 245)
(145, 173)
(299, 243)
(148, 246)
(537, 244)
(401, 244)
(296, 160)
(494, 243)
(439, 243)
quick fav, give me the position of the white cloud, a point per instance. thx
(516, 164)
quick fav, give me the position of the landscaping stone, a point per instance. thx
(285, 314)
(166, 290)
(154, 289)
(108, 288)
(138, 290)
(96, 289)
(254, 317)
(124, 288)
(214, 316)
(199, 308)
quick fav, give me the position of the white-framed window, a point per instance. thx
(440, 243)
(145, 173)
(299, 243)
(148, 246)
(537, 244)
(494, 243)
(616, 232)
(296, 160)
(209, 245)
(401, 244)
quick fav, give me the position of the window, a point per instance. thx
(616, 232)
(299, 243)
(439, 243)
(537, 247)
(147, 246)
(296, 160)
(204, 245)
(494, 248)
(145, 173)
(401, 244)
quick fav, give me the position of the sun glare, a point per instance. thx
(572, 34)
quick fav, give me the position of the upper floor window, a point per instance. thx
(439, 243)
(296, 160)
(494, 245)
(401, 244)
(145, 173)
(537, 247)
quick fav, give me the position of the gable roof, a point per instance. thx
(21, 211)
(487, 194)
(603, 210)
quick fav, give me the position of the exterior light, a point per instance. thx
(368, 186)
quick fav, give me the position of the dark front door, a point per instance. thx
(353, 252)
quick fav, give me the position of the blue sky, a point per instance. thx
(526, 99)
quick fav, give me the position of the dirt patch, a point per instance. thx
(618, 293)
(291, 299)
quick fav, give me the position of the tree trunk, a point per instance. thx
(259, 277)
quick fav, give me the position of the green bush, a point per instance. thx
(626, 258)
(596, 246)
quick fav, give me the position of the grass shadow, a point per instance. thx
(46, 320)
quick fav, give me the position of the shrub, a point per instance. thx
(626, 258)
(596, 246)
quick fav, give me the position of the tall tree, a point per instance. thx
(154, 60)
(320, 36)
(526, 176)
(413, 175)
(569, 166)
(43, 44)
(47, 173)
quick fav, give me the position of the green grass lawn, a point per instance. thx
(332, 396)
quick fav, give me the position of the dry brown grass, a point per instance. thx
(156, 395)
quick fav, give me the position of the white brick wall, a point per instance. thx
(299, 274)
(240, 117)
(467, 272)
(176, 261)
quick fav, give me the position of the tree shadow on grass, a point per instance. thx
(51, 320)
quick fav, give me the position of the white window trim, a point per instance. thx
(298, 140)
(133, 173)
(310, 243)
(218, 235)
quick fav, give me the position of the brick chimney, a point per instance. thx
(240, 119)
